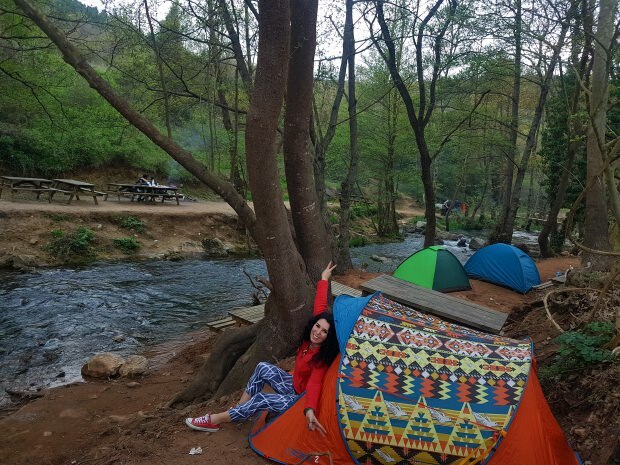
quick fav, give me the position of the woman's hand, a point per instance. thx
(313, 423)
(327, 272)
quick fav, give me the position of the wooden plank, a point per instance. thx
(248, 315)
(339, 289)
(433, 302)
(220, 324)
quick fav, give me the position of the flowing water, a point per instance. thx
(52, 321)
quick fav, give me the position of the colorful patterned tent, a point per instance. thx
(413, 389)
(434, 268)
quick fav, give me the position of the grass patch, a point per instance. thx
(72, 247)
(127, 244)
(132, 223)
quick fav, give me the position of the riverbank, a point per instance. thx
(160, 231)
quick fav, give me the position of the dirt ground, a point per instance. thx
(126, 421)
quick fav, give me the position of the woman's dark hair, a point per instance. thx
(329, 348)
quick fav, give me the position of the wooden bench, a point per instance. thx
(84, 192)
(428, 301)
(222, 323)
(248, 315)
(37, 190)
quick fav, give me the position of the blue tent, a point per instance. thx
(505, 265)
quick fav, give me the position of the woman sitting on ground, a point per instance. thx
(318, 349)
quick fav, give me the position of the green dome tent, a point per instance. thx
(434, 268)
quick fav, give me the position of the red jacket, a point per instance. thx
(308, 376)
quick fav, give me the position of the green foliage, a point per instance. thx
(73, 247)
(132, 223)
(357, 241)
(127, 244)
(361, 210)
(581, 349)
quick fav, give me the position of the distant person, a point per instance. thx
(142, 181)
(152, 182)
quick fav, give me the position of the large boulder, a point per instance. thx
(105, 365)
(134, 366)
(475, 245)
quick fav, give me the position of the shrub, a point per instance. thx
(72, 247)
(363, 210)
(127, 244)
(357, 241)
(581, 349)
(132, 223)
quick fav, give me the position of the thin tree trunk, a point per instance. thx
(344, 256)
(160, 70)
(530, 143)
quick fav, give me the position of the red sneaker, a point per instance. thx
(202, 424)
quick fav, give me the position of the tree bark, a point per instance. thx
(346, 190)
(596, 233)
(312, 236)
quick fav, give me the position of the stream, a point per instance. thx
(53, 320)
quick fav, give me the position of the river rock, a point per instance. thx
(448, 236)
(380, 259)
(214, 247)
(462, 242)
(191, 247)
(105, 365)
(420, 226)
(475, 245)
(24, 262)
(134, 366)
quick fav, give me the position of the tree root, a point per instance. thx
(230, 346)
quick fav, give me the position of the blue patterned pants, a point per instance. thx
(279, 380)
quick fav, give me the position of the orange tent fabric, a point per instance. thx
(287, 439)
(534, 436)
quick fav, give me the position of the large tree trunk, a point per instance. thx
(313, 238)
(596, 233)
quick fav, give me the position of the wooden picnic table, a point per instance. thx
(143, 191)
(74, 188)
(436, 303)
(21, 184)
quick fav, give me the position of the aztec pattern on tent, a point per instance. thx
(414, 388)
(434, 268)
